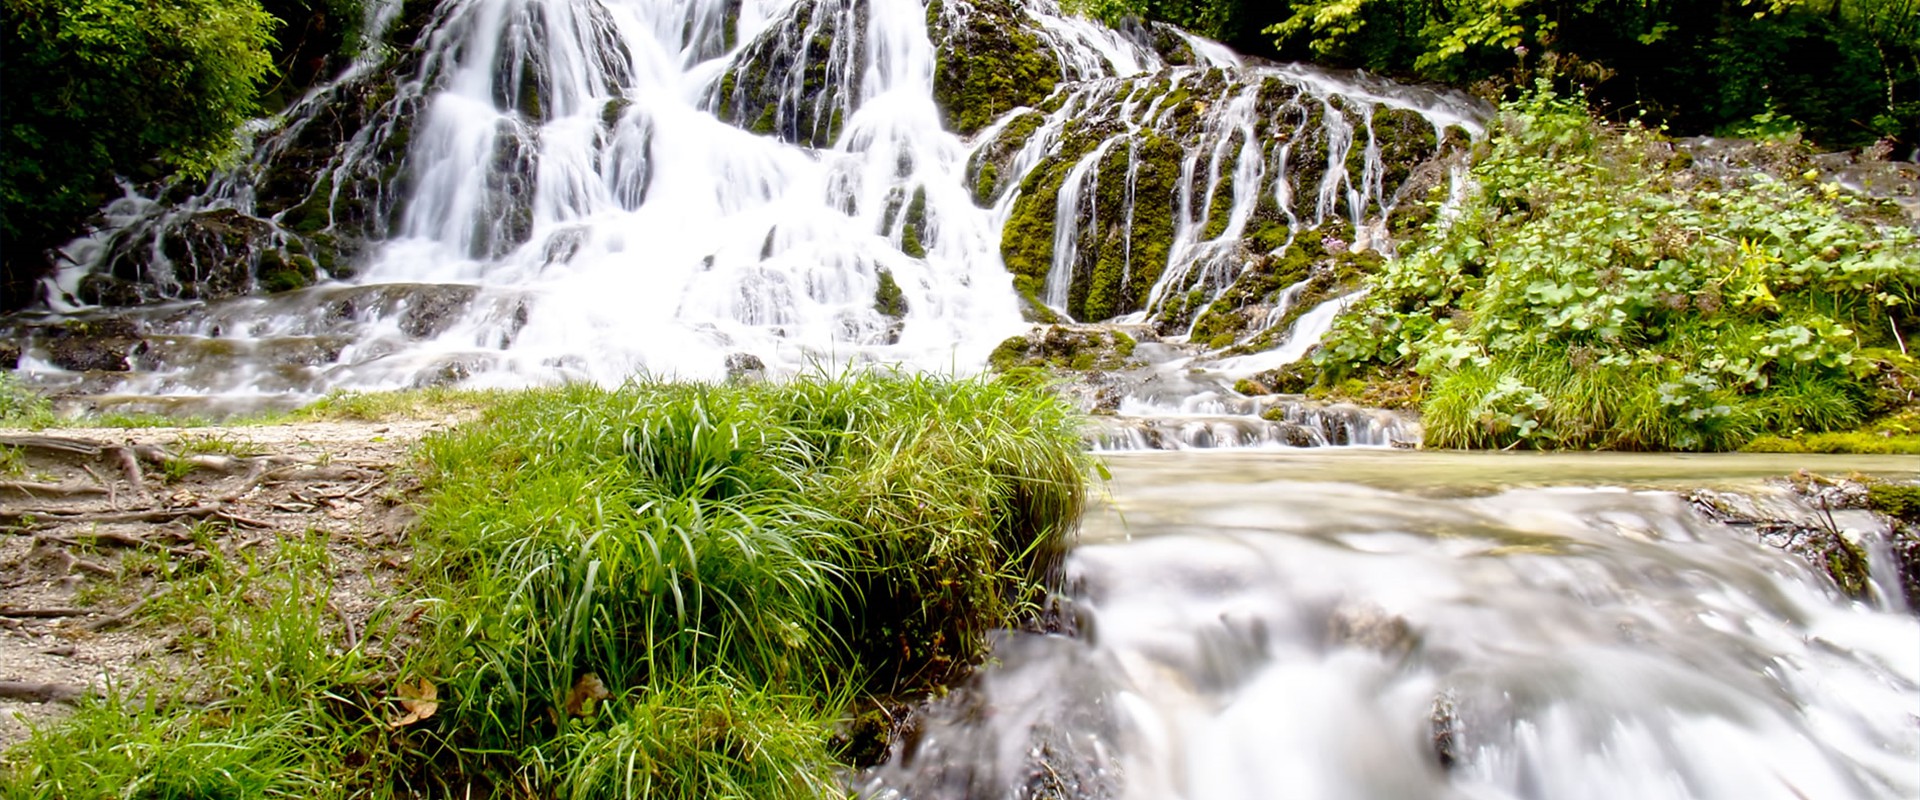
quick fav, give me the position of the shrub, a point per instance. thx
(1593, 292)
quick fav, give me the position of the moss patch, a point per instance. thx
(989, 64)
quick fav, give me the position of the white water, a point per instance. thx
(1259, 627)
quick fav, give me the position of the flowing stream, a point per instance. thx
(1352, 624)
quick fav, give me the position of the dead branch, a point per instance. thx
(215, 511)
(113, 498)
(41, 692)
(69, 562)
(67, 489)
(131, 466)
(58, 444)
(43, 613)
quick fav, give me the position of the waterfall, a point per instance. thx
(522, 191)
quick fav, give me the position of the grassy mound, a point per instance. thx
(1598, 290)
(661, 590)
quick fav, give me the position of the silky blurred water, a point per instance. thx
(1396, 625)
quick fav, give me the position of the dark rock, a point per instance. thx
(9, 355)
(102, 289)
(92, 345)
(212, 255)
(431, 310)
(745, 366)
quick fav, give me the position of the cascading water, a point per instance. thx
(1261, 626)
(523, 191)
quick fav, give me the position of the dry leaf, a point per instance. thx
(419, 700)
(585, 691)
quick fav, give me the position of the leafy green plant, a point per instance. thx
(103, 88)
(1592, 292)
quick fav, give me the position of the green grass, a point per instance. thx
(276, 706)
(22, 407)
(352, 406)
(798, 538)
(662, 591)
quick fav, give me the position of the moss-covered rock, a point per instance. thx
(816, 49)
(888, 300)
(1898, 500)
(990, 171)
(1066, 347)
(989, 61)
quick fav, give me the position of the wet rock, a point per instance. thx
(1444, 722)
(1371, 628)
(102, 289)
(1071, 347)
(212, 254)
(91, 345)
(745, 366)
(9, 355)
(431, 310)
(816, 49)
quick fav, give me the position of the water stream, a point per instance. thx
(1344, 625)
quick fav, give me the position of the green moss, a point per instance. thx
(277, 271)
(1062, 347)
(990, 65)
(611, 113)
(312, 215)
(913, 233)
(1897, 500)
(990, 163)
(888, 299)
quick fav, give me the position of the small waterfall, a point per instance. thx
(1257, 626)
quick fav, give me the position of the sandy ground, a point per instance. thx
(77, 504)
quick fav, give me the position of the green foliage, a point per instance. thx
(22, 407)
(99, 88)
(789, 545)
(1593, 293)
(1844, 72)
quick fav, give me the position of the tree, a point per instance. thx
(94, 89)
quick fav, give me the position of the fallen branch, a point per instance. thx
(69, 562)
(43, 613)
(58, 444)
(131, 466)
(67, 489)
(41, 692)
(202, 511)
